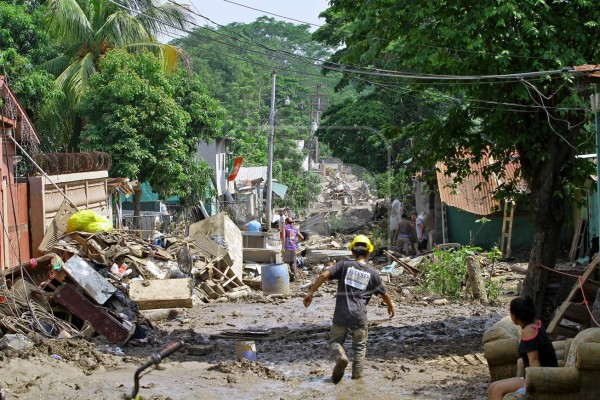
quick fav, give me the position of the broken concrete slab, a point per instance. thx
(92, 283)
(262, 256)
(316, 256)
(222, 225)
(169, 293)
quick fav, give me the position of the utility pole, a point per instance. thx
(314, 125)
(270, 156)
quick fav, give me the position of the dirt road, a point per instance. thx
(426, 352)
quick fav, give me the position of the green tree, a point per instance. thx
(241, 81)
(88, 29)
(24, 44)
(460, 37)
(133, 115)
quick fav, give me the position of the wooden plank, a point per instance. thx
(104, 323)
(555, 325)
(168, 293)
(575, 241)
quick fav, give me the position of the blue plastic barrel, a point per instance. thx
(275, 279)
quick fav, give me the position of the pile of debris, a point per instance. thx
(98, 282)
(346, 205)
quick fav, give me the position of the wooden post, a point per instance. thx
(476, 280)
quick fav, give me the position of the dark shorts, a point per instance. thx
(422, 244)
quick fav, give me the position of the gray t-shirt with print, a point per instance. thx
(357, 282)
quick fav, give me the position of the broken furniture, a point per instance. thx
(104, 323)
(262, 255)
(255, 240)
(500, 349)
(573, 315)
(577, 380)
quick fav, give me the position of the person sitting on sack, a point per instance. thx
(357, 283)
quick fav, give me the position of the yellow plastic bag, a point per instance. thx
(88, 221)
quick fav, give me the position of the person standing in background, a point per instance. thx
(422, 235)
(289, 245)
(396, 211)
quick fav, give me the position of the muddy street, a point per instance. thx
(427, 351)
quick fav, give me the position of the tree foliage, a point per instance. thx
(133, 114)
(85, 30)
(24, 44)
(241, 81)
(462, 37)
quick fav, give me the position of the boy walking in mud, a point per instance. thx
(357, 282)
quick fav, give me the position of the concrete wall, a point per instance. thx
(215, 155)
(88, 190)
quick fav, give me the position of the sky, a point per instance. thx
(223, 12)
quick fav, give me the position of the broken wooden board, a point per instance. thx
(573, 315)
(102, 322)
(92, 283)
(168, 293)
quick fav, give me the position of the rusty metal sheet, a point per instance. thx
(475, 193)
(102, 322)
(92, 283)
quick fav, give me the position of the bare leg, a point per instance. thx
(498, 389)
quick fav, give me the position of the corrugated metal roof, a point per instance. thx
(590, 70)
(475, 193)
(251, 173)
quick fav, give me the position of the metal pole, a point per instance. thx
(270, 155)
(597, 112)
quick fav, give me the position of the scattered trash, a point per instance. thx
(15, 342)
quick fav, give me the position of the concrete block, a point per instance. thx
(169, 293)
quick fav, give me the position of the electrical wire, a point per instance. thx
(321, 66)
(410, 44)
(391, 73)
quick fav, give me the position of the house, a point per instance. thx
(16, 130)
(215, 154)
(30, 201)
(455, 211)
(250, 193)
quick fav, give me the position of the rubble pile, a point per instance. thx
(345, 205)
(97, 282)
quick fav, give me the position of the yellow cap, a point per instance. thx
(361, 239)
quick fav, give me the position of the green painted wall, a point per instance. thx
(461, 223)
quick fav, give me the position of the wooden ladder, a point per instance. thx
(573, 316)
(507, 226)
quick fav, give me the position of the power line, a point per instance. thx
(410, 44)
(313, 65)
(399, 74)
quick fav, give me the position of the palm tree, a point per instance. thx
(87, 29)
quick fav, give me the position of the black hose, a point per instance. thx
(155, 359)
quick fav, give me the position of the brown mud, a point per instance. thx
(426, 352)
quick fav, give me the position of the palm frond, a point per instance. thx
(165, 18)
(57, 65)
(68, 20)
(122, 29)
(75, 80)
(169, 55)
